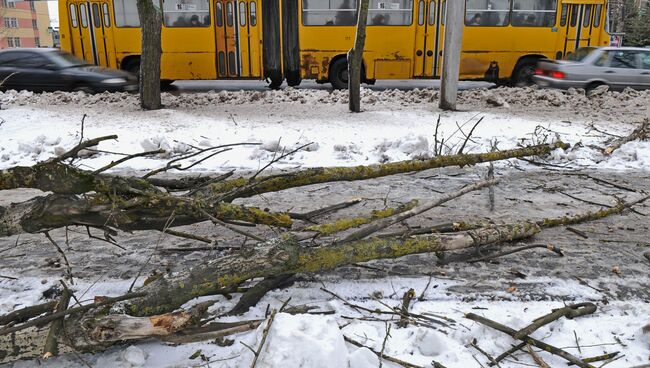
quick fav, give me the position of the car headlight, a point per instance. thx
(114, 81)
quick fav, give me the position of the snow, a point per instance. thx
(396, 125)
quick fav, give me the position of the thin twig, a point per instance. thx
(265, 333)
(126, 158)
(552, 248)
(65, 259)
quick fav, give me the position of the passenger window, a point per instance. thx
(602, 59)
(329, 12)
(229, 14)
(97, 20)
(432, 13)
(107, 15)
(534, 13)
(587, 16)
(443, 12)
(597, 15)
(645, 60)
(186, 13)
(623, 59)
(219, 15)
(565, 8)
(393, 13)
(126, 14)
(242, 13)
(420, 13)
(73, 16)
(490, 13)
(253, 14)
(83, 15)
(574, 15)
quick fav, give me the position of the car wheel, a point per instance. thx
(592, 86)
(523, 74)
(339, 74)
(82, 88)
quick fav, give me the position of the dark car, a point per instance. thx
(590, 67)
(43, 69)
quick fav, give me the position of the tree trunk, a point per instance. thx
(151, 315)
(355, 59)
(451, 54)
(151, 23)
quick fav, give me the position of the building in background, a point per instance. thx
(25, 24)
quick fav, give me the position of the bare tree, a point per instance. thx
(151, 23)
(355, 59)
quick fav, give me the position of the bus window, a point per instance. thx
(73, 16)
(530, 13)
(126, 13)
(491, 13)
(253, 14)
(219, 15)
(186, 13)
(443, 12)
(421, 13)
(229, 14)
(587, 17)
(432, 13)
(83, 14)
(242, 13)
(107, 15)
(574, 15)
(329, 12)
(565, 8)
(397, 13)
(97, 20)
(597, 15)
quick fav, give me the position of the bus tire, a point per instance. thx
(338, 75)
(522, 76)
(132, 66)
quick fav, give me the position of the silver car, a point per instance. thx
(590, 67)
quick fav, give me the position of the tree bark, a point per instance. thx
(151, 315)
(151, 24)
(355, 58)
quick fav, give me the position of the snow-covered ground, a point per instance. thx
(395, 125)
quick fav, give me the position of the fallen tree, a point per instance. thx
(97, 200)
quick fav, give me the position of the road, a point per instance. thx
(236, 85)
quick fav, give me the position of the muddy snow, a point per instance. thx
(605, 266)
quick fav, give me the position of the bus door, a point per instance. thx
(237, 39)
(429, 36)
(81, 39)
(580, 21)
(102, 33)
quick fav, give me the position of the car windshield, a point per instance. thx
(580, 54)
(65, 60)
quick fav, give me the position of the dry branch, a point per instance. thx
(642, 132)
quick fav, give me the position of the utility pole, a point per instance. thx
(451, 53)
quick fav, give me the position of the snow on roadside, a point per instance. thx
(37, 127)
(303, 340)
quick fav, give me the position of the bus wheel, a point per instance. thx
(132, 66)
(339, 74)
(523, 74)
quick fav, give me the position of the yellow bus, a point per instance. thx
(293, 40)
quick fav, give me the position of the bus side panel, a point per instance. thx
(290, 41)
(64, 29)
(188, 53)
(271, 49)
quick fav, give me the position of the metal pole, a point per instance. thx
(455, 19)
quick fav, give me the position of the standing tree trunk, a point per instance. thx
(151, 23)
(451, 54)
(355, 59)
